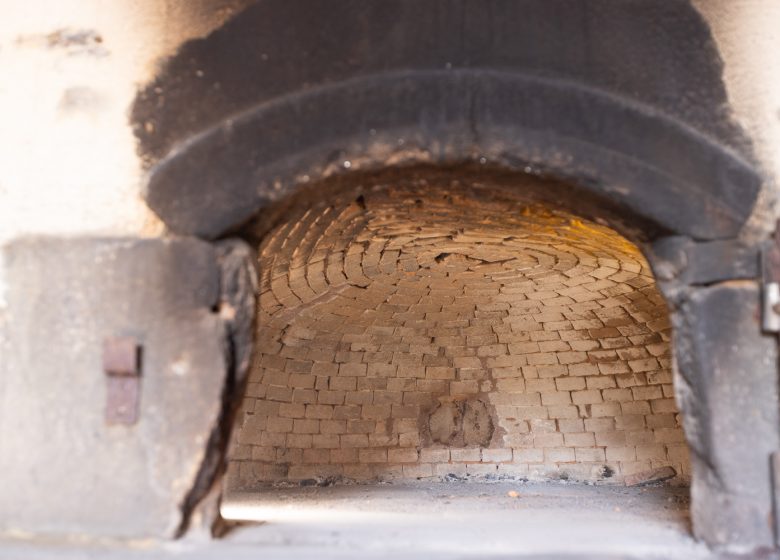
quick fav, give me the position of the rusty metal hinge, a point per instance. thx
(122, 367)
(770, 285)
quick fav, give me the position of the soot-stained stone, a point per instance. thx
(477, 424)
(445, 423)
(727, 387)
(462, 423)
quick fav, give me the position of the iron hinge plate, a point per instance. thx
(770, 285)
(122, 367)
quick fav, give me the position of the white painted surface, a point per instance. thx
(68, 160)
(747, 35)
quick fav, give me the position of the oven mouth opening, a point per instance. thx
(455, 336)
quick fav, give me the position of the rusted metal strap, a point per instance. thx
(122, 367)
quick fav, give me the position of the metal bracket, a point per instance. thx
(122, 367)
(770, 323)
(774, 472)
(770, 290)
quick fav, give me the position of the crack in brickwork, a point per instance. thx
(373, 312)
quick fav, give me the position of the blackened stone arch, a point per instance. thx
(609, 148)
(596, 93)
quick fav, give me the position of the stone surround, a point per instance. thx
(419, 330)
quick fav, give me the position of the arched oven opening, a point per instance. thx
(451, 328)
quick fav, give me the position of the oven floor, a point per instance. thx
(430, 520)
(470, 519)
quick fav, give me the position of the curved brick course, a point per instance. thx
(377, 308)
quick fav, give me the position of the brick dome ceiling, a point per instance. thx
(428, 328)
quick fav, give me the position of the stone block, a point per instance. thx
(418, 471)
(434, 455)
(372, 455)
(496, 455)
(465, 455)
(402, 455)
(559, 455)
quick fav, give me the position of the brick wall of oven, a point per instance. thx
(460, 332)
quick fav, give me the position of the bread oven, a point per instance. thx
(410, 243)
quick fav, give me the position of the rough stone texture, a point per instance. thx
(237, 300)
(650, 477)
(680, 259)
(64, 469)
(477, 424)
(461, 423)
(236, 308)
(389, 318)
(445, 422)
(728, 388)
